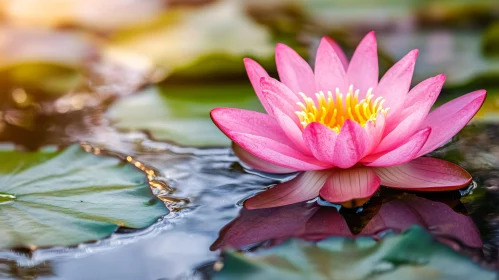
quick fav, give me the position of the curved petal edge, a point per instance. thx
(345, 185)
(424, 174)
(304, 187)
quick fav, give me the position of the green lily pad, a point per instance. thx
(490, 40)
(455, 13)
(50, 198)
(462, 62)
(39, 78)
(348, 13)
(181, 38)
(181, 114)
(411, 255)
(44, 63)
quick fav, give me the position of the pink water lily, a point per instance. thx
(312, 222)
(350, 132)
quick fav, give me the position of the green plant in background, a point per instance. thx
(187, 40)
(37, 61)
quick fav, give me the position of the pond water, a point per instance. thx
(204, 189)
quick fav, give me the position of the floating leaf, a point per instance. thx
(184, 36)
(42, 62)
(182, 113)
(60, 71)
(39, 78)
(50, 198)
(411, 255)
(490, 40)
(456, 12)
(351, 13)
(462, 61)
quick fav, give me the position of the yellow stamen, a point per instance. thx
(333, 110)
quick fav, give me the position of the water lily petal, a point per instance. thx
(326, 222)
(269, 84)
(258, 164)
(436, 217)
(304, 187)
(450, 118)
(424, 94)
(261, 135)
(348, 184)
(363, 70)
(257, 225)
(424, 174)
(255, 73)
(395, 84)
(276, 152)
(401, 133)
(231, 120)
(339, 51)
(403, 153)
(329, 71)
(375, 131)
(351, 144)
(285, 115)
(294, 71)
(418, 105)
(321, 140)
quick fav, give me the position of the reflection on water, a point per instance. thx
(210, 179)
(213, 183)
(10, 270)
(310, 221)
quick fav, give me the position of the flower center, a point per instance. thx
(333, 110)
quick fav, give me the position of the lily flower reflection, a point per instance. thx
(312, 222)
(340, 118)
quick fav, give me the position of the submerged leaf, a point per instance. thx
(411, 255)
(64, 198)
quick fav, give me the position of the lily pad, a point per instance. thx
(38, 62)
(182, 113)
(351, 13)
(183, 37)
(462, 62)
(50, 198)
(39, 79)
(490, 40)
(411, 255)
(456, 13)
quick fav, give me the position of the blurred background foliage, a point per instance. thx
(58, 56)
